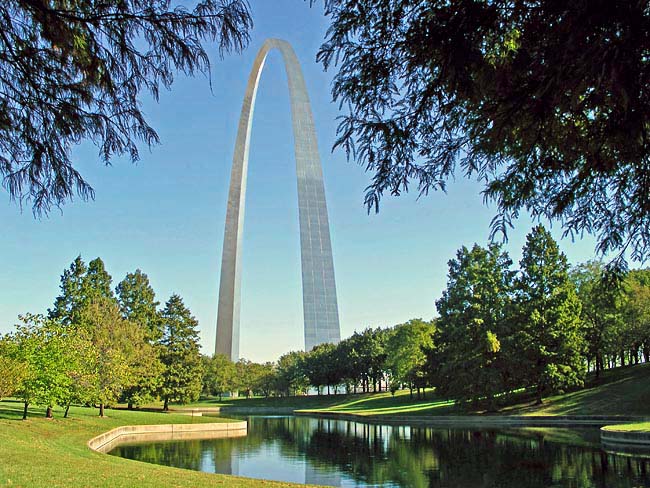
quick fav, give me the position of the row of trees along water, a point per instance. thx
(541, 327)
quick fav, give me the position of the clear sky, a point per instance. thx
(166, 214)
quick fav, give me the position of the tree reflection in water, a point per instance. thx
(342, 453)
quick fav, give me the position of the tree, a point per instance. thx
(264, 378)
(72, 70)
(121, 355)
(291, 373)
(182, 375)
(219, 375)
(43, 348)
(73, 292)
(545, 102)
(12, 370)
(600, 311)
(363, 358)
(636, 312)
(472, 324)
(138, 303)
(80, 284)
(548, 336)
(320, 368)
(406, 357)
(97, 282)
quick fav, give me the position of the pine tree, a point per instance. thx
(72, 296)
(98, 281)
(548, 336)
(472, 324)
(138, 303)
(80, 284)
(182, 375)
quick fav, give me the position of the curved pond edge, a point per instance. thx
(617, 442)
(165, 432)
(629, 443)
(482, 420)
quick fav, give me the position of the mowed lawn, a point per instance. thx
(621, 391)
(53, 453)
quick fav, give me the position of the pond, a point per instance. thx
(351, 454)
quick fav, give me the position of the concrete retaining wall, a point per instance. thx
(236, 410)
(152, 433)
(625, 442)
(481, 420)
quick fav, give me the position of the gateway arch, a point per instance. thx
(321, 317)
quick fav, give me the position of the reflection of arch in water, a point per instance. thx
(320, 307)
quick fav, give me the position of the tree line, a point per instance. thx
(99, 346)
(499, 330)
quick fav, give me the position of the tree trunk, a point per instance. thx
(328, 389)
(130, 405)
(166, 405)
(101, 409)
(67, 409)
(25, 411)
(622, 358)
(48, 412)
(539, 395)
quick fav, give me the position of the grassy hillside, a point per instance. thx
(622, 391)
(53, 453)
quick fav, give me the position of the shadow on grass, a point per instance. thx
(11, 409)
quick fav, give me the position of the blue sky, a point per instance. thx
(165, 215)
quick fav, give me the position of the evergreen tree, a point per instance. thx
(138, 303)
(97, 280)
(75, 70)
(72, 296)
(79, 285)
(182, 375)
(472, 324)
(548, 336)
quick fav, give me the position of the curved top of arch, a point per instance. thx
(320, 308)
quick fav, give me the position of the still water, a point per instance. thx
(347, 454)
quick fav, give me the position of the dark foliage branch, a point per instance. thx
(73, 70)
(545, 101)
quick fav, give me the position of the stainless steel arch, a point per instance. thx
(318, 286)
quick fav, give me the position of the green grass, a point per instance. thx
(637, 427)
(622, 391)
(311, 401)
(53, 453)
